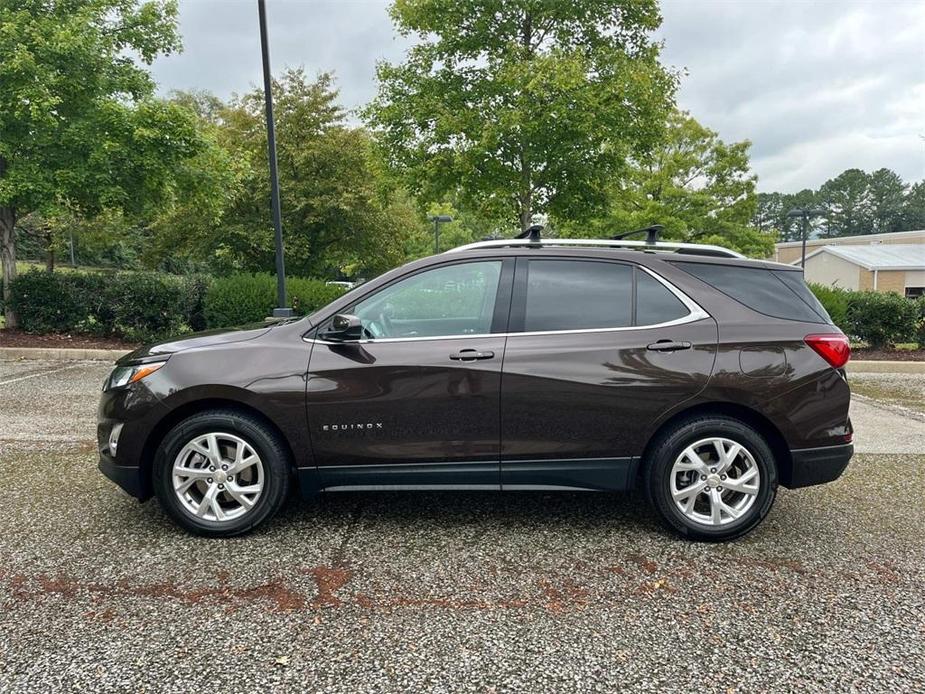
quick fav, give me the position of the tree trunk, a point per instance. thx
(8, 261)
(50, 259)
(525, 195)
(526, 210)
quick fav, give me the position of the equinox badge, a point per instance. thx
(351, 427)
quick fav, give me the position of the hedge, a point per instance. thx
(835, 300)
(137, 306)
(244, 298)
(879, 319)
(145, 306)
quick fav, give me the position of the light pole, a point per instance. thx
(804, 213)
(281, 310)
(436, 219)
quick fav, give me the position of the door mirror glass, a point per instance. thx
(343, 327)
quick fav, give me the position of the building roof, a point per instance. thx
(897, 256)
(836, 240)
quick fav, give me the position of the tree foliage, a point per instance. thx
(78, 125)
(521, 106)
(341, 215)
(855, 203)
(698, 187)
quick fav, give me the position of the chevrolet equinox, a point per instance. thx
(685, 371)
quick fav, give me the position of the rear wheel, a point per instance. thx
(221, 473)
(711, 478)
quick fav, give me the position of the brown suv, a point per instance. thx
(689, 372)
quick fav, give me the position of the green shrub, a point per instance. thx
(881, 320)
(239, 299)
(147, 305)
(52, 302)
(138, 306)
(196, 288)
(248, 298)
(308, 295)
(920, 328)
(835, 301)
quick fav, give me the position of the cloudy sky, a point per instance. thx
(817, 86)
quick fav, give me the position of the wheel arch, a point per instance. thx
(193, 407)
(764, 426)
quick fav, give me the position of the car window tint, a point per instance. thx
(759, 289)
(577, 295)
(450, 300)
(794, 280)
(655, 303)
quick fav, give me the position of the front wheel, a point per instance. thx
(711, 478)
(221, 473)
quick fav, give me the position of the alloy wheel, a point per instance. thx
(715, 481)
(217, 476)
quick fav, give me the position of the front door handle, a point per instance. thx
(668, 346)
(471, 355)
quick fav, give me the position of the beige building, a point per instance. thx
(790, 251)
(896, 268)
(880, 262)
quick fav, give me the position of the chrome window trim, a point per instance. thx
(696, 313)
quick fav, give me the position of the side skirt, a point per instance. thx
(590, 474)
(582, 474)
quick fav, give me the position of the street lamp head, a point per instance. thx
(441, 218)
(794, 213)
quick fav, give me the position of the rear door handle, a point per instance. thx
(668, 346)
(471, 355)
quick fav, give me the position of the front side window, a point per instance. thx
(578, 295)
(446, 301)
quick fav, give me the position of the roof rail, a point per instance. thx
(660, 246)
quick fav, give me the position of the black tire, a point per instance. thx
(264, 440)
(672, 442)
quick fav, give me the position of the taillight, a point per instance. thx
(832, 347)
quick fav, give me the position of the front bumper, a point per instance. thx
(128, 477)
(810, 466)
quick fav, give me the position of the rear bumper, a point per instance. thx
(810, 466)
(128, 477)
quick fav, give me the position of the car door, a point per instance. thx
(416, 402)
(597, 351)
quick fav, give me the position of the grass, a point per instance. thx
(26, 265)
(906, 391)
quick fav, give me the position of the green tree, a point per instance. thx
(698, 187)
(886, 193)
(341, 214)
(78, 125)
(522, 107)
(847, 199)
(913, 212)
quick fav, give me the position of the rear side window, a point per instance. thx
(578, 295)
(654, 303)
(777, 293)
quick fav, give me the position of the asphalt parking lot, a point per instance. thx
(449, 592)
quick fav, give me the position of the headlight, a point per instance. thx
(121, 376)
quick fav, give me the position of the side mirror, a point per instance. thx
(344, 327)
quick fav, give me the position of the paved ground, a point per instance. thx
(462, 592)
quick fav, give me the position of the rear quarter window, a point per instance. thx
(777, 293)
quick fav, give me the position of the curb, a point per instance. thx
(61, 353)
(886, 367)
